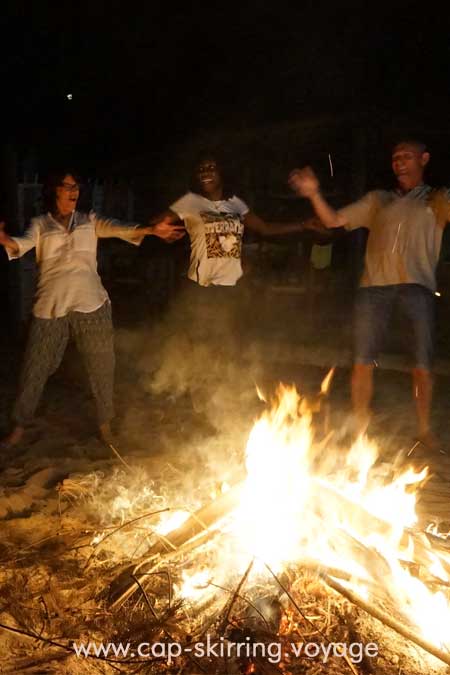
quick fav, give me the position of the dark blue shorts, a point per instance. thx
(373, 310)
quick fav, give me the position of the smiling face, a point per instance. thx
(408, 164)
(67, 194)
(209, 179)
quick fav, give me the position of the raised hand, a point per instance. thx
(304, 182)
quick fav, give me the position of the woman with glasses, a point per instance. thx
(70, 298)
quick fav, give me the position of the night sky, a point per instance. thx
(145, 77)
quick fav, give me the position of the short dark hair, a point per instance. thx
(53, 180)
(228, 183)
(419, 144)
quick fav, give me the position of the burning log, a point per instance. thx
(198, 529)
(204, 519)
(199, 522)
(327, 499)
(386, 619)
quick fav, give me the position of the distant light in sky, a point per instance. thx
(69, 97)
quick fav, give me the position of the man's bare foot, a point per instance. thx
(13, 438)
(430, 441)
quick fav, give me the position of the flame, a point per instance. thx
(171, 521)
(325, 386)
(260, 394)
(194, 585)
(338, 510)
(344, 511)
(276, 487)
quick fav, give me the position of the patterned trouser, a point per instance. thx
(47, 342)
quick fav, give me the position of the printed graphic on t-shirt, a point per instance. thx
(223, 234)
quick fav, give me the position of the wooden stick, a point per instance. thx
(120, 458)
(236, 593)
(173, 542)
(200, 520)
(121, 527)
(53, 643)
(386, 619)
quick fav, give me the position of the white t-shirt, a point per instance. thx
(215, 229)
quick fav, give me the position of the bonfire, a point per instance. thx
(309, 559)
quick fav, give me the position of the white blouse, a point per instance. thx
(67, 259)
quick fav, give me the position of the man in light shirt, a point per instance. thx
(405, 234)
(70, 298)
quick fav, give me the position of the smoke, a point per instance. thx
(199, 355)
(195, 373)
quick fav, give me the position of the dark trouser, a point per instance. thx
(210, 312)
(201, 349)
(373, 310)
(47, 342)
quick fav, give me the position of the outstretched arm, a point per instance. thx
(306, 184)
(17, 246)
(134, 233)
(167, 226)
(265, 229)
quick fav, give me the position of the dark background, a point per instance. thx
(273, 84)
(145, 76)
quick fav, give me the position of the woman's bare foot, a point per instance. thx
(13, 438)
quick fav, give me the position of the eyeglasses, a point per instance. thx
(70, 187)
